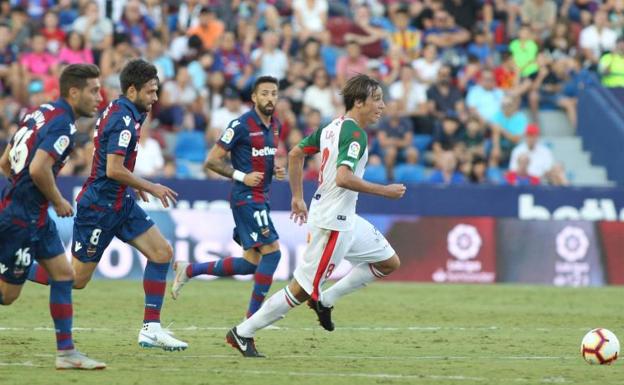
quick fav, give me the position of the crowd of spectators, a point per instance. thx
(458, 75)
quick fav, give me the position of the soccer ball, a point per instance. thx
(600, 346)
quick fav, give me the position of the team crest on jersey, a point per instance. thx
(124, 138)
(228, 135)
(354, 150)
(61, 144)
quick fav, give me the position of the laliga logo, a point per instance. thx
(572, 243)
(464, 242)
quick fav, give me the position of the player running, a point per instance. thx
(336, 231)
(252, 141)
(33, 158)
(106, 209)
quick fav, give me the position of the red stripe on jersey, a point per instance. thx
(96, 150)
(43, 214)
(258, 163)
(324, 262)
(309, 150)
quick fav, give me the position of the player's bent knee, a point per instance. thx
(389, 265)
(297, 291)
(8, 298)
(81, 283)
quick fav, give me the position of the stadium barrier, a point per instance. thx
(462, 234)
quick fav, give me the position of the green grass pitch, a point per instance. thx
(388, 333)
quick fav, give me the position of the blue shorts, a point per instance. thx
(21, 242)
(254, 226)
(94, 228)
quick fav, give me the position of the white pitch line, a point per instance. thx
(27, 363)
(379, 358)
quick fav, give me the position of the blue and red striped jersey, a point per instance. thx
(252, 146)
(49, 128)
(116, 132)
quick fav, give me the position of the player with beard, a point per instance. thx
(252, 142)
(106, 209)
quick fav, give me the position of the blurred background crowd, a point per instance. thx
(464, 80)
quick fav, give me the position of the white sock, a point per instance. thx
(273, 309)
(357, 278)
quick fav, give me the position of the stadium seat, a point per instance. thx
(191, 146)
(375, 174)
(409, 173)
(422, 142)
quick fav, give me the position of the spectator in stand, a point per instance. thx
(311, 57)
(176, 99)
(597, 38)
(75, 51)
(156, 55)
(485, 99)
(321, 96)
(293, 85)
(446, 170)
(520, 176)
(9, 66)
(312, 121)
(395, 138)
(21, 29)
(38, 64)
(365, 34)
(54, 35)
(465, 12)
(269, 59)
(66, 14)
(410, 93)
(508, 127)
(443, 97)
(524, 51)
(310, 17)
(540, 157)
(150, 160)
(469, 75)
(447, 137)
(391, 64)
(113, 60)
(233, 107)
(351, 64)
(137, 25)
(557, 176)
(481, 46)
(448, 37)
(407, 38)
(561, 43)
(540, 16)
(428, 65)
(611, 66)
(479, 173)
(548, 87)
(209, 29)
(35, 9)
(472, 140)
(96, 29)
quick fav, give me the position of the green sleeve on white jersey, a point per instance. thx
(351, 145)
(311, 144)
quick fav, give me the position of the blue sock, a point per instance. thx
(222, 268)
(62, 313)
(154, 285)
(263, 280)
(38, 274)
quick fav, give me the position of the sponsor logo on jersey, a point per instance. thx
(228, 135)
(91, 250)
(265, 231)
(341, 217)
(61, 144)
(127, 120)
(266, 151)
(354, 150)
(124, 138)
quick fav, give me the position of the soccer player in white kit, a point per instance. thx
(336, 231)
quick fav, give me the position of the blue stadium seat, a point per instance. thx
(375, 174)
(495, 175)
(191, 146)
(422, 142)
(409, 173)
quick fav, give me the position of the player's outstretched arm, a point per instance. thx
(346, 179)
(5, 165)
(299, 211)
(115, 169)
(40, 170)
(216, 161)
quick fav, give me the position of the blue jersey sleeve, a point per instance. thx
(232, 135)
(58, 138)
(120, 135)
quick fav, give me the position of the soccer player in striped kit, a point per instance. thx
(252, 141)
(33, 158)
(336, 231)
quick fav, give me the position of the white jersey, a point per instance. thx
(342, 142)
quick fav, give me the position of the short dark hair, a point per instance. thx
(76, 76)
(359, 87)
(137, 73)
(262, 80)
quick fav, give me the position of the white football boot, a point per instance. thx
(152, 335)
(73, 359)
(180, 278)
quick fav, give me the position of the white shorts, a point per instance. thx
(326, 249)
